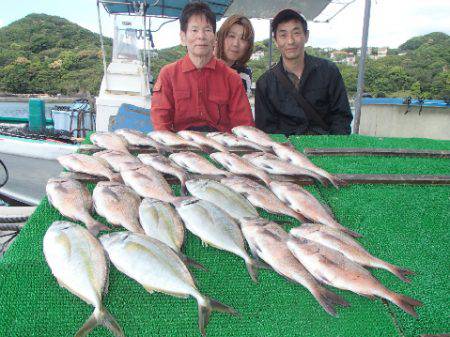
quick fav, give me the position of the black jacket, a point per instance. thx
(321, 84)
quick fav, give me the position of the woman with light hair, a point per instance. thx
(235, 40)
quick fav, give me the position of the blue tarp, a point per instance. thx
(165, 8)
(401, 101)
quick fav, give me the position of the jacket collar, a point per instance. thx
(187, 65)
(310, 65)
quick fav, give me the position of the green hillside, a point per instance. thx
(48, 54)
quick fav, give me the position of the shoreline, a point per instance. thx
(46, 99)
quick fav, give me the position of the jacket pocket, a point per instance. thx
(183, 108)
(218, 109)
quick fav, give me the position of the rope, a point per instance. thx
(3, 183)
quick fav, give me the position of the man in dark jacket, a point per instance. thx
(321, 105)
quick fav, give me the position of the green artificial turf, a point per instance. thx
(404, 224)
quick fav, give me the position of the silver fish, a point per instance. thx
(138, 138)
(335, 239)
(119, 204)
(253, 134)
(331, 267)
(157, 267)
(82, 163)
(222, 196)
(169, 138)
(216, 228)
(200, 138)
(109, 141)
(78, 262)
(229, 140)
(148, 183)
(267, 241)
(260, 196)
(196, 164)
(160, 221)
(237, 165)
(274, 165)
(166, 166)
(73, 200)
(118, 160)
(306, 204)
(287, 152)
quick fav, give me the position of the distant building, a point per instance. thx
(257, 55)
(382, 52)
(339, 54)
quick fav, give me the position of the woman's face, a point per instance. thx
(235, 46)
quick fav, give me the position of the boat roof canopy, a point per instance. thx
(265, 9)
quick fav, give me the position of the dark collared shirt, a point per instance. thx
(213, 97)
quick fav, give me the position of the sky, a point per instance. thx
(392, 22)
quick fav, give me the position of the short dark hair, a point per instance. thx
(196, 8)
(288, 15)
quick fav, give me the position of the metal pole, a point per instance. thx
(270, 43)
(362, 67)
(101, 42)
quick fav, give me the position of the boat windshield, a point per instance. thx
(125, 43)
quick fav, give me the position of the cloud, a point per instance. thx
(1, 23)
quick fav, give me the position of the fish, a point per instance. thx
(335, 239)
(119, 204)
(161, 221)
(238, 165)
(216, 228)
(222, 196)
(118, 160)
(253, 134)
(166, 166)
(268, 242)
(195, 163)
(138, 138)
(157, 267)
(78, 262)
(73, 200)
(109, 141)
(148, 183)
(260, 196)
(169, 138)
(303, 202)
(332, 268)
(231, 141)
(274, 165)
(201, 139)
(82, 163)
(287, 152)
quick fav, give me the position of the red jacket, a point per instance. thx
(185, 97)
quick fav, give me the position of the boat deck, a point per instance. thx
(407, 225)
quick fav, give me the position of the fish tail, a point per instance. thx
(163, 149)
(100, 316)
(348, 231)
(401, 273)
(335, 181)
(406, 303)
(329, 300)
(95, 226)
(205, 310)
(252, 268)
(116, 177)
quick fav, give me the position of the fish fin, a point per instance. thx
(100, 317)
(350, 232)
(163, 150)
(191, 262)
(252, 268)
(204, 244)
(328, 300)
(406, 303)
(116, 177)
(204, 312)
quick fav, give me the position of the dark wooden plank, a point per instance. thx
(90, 149)
(376, 152)
(395, 179)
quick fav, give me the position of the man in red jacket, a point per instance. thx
(199, 92)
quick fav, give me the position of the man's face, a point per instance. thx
(291, 39)
(199, 37)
